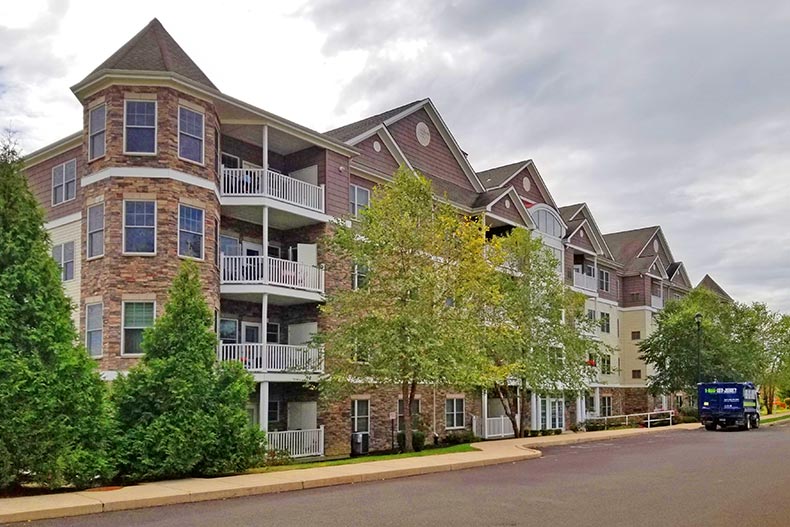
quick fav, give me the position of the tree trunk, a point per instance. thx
(523, 415)
(504, 396)
(768, 399)
(408, 391)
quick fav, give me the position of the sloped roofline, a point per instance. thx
(516, 199)
(598, 234)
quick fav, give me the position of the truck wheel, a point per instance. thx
(756, 423)
(748, 423)
(710, 427)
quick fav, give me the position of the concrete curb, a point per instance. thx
(193, 490)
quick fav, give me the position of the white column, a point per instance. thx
(549, 401)
(264, 320)
(265, 243)
(598, 402)
(535, 413)
(518, 404)
(265, 158)
(263, 411)
(484, 411)
(580, 409)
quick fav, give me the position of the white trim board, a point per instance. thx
(64, 220)
(152, 173)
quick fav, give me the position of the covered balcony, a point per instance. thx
(267, 270)
(273, 358)
(259, 182)
(584, 277)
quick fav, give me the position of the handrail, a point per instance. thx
(606, 418)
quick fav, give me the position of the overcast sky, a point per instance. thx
(670, 113)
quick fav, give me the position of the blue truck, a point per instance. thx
(726, 404)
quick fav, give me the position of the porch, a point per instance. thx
(267, 270)
(259, 182)
(268, 357)
(288, 413)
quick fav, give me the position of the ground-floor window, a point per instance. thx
(454, 413)
(415, 413)
(606, 405)
(274, 411)
(552, 413)
(360, 415)
(137, 317)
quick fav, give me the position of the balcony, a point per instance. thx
(257, 182)
(267, 270)
(298, 443)
(656, 302)
(584, 281)
(273, 358)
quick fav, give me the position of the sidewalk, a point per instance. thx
(198, 489)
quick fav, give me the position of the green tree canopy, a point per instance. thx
(179, 412)
(537, 337)
(409, 323)
(54, 424)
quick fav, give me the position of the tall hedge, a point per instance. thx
(180, 413)
(54, 420)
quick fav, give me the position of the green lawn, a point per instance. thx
(365, 459)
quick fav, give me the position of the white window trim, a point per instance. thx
(463, 413)
(277, 413)
(607, 282)
(235, 322)
(355, 415)
(123, 228)
(156, 128)
(123, 324)
(398, 415)
(88, 232)
(230, 237)
(244, 326)
(91, 132)
(266, 336)
(222, 153)
(357, 188)
(202, 161)
(62, 248)
(609, 357)
(355, 277)
(52, 179)
(202, 234)
(87, 331)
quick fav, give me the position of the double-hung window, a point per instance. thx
(139, 227)
(359, 278)
(605, 322)
(606, 405)
(273, 333)
(359, 198)
(64, 182)
(190, 232)
(93, 329)
(137, 316)
(415, 413)
(64, 257)
(96, 231)
(360, 415)
(139, 127)
(97, 125)
(228, 330)
(606, 364)
(603, 280)
(454, 413)
(190, 134)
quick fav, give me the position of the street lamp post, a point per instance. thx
(698, 321)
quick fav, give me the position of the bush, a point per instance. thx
(787, 401)
(557, 431)
(545, 432)
(417, 440)
(179, 413)
(534, 433)
(689, 411)
(593, 425)
(460, 437)
(278, 457)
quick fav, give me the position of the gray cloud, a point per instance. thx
(670, 113)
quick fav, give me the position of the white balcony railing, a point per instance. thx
(298, 443)
(240, 182)
(255, 270)
(499, 426)
(584, 281)
(273, 357)
(656, 301)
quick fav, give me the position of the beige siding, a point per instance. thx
(71, 232)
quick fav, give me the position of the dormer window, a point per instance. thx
(190, 135)
(140, 127)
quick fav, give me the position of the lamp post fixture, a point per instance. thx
(698, 321)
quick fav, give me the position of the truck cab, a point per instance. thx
(726, 404)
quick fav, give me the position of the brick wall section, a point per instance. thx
(381, 161)
(167, 100)
(114, 274)
(436, 160)
(39, 178)
(636, 291)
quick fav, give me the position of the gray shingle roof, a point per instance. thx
(494, 177)
(349, 131)
(153, 49)
(568, 211)
(625, 247)
(709, 283)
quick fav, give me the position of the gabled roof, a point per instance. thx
(498, 176)
(352, 130)
(569, 212)
(578, 214)
(673, 268)
(709, 283)
(153, 49)
(626, 245)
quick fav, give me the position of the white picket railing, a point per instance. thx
(656, 301)
(647, 418)
(273, 357)
(499, 426)
(584, 281)
(298, 443)
(251, 182)
(256, 270)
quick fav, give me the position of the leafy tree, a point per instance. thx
(774, 332)
(54, 423)
(179, 412)
(537, 336)
(729, 342)
(410, 324)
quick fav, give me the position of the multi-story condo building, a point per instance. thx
(168, 168)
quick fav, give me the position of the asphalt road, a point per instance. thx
(676, 478)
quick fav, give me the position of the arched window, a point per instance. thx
(547, 221)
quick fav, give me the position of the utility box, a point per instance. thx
(725, 404)
(360, 443)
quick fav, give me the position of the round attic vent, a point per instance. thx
(581, 233)
(376, 146)
(423, 133)
(655, 245)
(507, 203)
(526, 183)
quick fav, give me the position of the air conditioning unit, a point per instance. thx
(360, 443)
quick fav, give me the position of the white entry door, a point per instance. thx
(250, 332)
(299, 334)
